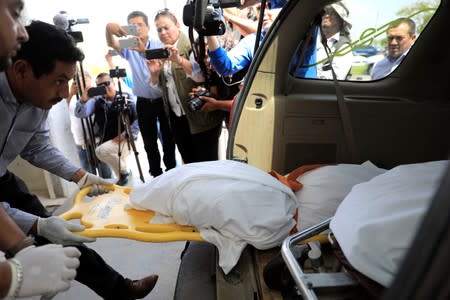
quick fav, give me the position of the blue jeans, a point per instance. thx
(104, 168)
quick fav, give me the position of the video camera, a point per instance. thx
(65, 22)
(205, 16)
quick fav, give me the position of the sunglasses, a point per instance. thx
(104, 83)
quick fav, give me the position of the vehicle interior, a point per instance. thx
(396, 120)
(281, 122)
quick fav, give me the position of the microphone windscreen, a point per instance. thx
(61, 21)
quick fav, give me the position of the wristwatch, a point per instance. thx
(26, 242)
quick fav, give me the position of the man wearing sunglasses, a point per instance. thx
(401, 35)
(110, 110)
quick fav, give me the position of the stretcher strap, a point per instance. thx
(293, 184)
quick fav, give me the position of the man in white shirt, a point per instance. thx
(335, 32)
(335, 28)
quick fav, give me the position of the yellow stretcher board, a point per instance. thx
(107, 216)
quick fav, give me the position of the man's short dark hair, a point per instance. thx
(101, 75)
(138, 13)
(47, 45)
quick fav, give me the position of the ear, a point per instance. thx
(22, 69)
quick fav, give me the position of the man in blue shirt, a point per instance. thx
(149, 104)
(241, 55)
(401, 35)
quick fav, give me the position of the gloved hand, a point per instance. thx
(46, 270)
(95, 182)
(59, 231)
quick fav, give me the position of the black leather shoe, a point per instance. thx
(138, 289)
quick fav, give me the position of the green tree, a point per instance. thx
(421, 12)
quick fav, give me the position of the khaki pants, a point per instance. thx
(109, 153)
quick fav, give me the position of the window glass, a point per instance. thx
(361, 40)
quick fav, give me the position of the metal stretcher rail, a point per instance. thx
(294, 268)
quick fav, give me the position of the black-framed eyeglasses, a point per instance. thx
(104, 83)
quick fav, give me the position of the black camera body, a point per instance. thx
(195, 104)
(120, 103)
(205, 15)
(159, 53)
(117, 73)
(96, 91)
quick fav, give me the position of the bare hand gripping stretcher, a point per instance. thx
(107, 215)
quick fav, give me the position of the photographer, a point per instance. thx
(149, 102)
(222, 89)
(196, 133)
(240, 57)
(107, 109)
(80, 130)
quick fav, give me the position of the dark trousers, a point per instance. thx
(203, 146)
(150, 111)
(93, 271)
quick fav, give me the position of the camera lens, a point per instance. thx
(195, 104)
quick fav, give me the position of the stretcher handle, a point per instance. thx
(292, 264)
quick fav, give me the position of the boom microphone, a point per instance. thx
(61, 20)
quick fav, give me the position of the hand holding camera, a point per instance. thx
(116, 29)
(205, 101)
(196, 104)
(154, 67)
(160, 53)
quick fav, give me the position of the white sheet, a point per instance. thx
(376, 222)
(325, 188)
(231, 204)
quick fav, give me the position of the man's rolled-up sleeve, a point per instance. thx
(23, 219)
